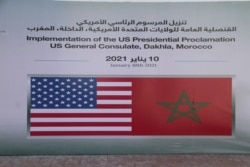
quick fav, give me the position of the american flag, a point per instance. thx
(75, 106)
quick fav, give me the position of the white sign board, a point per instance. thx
(124, 78)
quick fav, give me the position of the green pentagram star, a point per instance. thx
(183, 108)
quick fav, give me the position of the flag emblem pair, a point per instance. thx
(130, 106)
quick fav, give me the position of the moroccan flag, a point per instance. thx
(130, 106)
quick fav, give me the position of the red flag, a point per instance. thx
(182, 106)
(130, 106)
